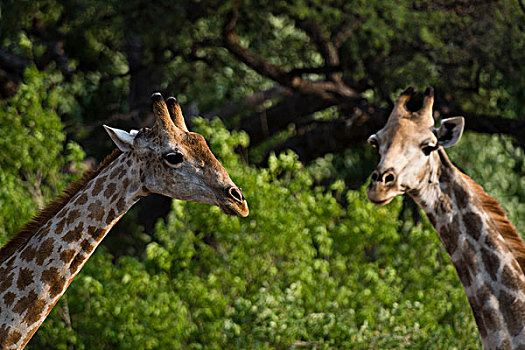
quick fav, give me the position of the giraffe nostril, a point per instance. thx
(236, 194)
(389, 177)
(374, 176)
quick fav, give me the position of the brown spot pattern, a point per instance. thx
(111, 216)
(75, 234)
(9, 298)
(491, 262)
(480, 322)
(509, 278)
(25, 278)
(82, 199)
(121, 205)
(8, 336)
(87, 246)
(25, 302)
(76, 263)
(71, 216)
(489, 242)
(110, 189)
(95, 232)
(449, 238)
(96, 210)
(116, 172)
(67, 255)
(514, 315)
(463, 273)
(9, 263)
(470, 262)
(59, 227)
(28, 254)
(473, 224)
(7, 281)
(490, 315)
(45, 249)
(98, 186)
(462, 197)
(4, 333)
(34, 313)
(54, 280)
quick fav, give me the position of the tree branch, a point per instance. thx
(292, 109)
(13, 63)
(322, 89)
(325, 47)
(345, 30)
(251, 102)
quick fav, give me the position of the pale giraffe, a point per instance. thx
(39, 263)
(484, 246)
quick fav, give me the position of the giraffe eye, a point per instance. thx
(173, 158)
(428, 148)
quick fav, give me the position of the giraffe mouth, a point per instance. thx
(235, 210)
(379, 195)
(381, 202)
(227, 210)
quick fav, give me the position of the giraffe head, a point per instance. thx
(178, 163)
(407, 145)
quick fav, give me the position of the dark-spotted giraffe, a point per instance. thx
(39, 263)
(485, 248)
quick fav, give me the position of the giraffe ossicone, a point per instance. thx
(485, 248)
(38, 264)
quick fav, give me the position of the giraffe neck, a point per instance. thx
(39, 270)
(484, 260)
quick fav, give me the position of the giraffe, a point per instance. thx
(39, 263)
(484, 246)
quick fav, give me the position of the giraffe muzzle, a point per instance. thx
(382, 188)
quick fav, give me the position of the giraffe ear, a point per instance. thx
(123, 139)
(450, 131)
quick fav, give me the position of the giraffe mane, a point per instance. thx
(50, 210)
(503, 224)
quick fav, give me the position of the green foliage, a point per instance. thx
(301, 270)
(33, 152)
